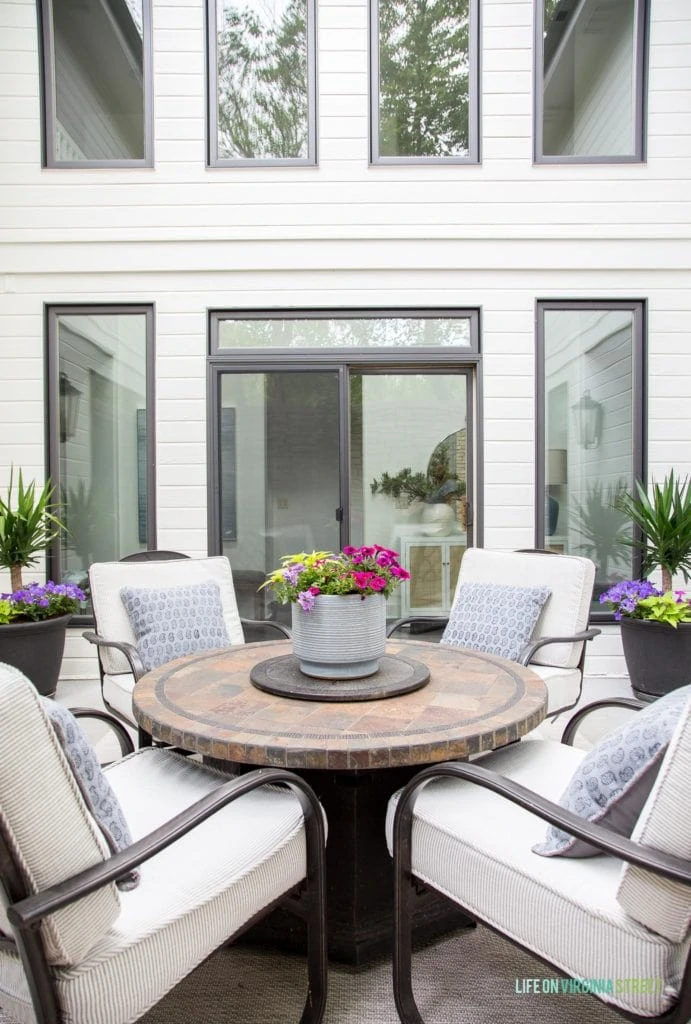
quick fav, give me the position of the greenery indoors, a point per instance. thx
(437, 486)
(28, 524)
(664, 520)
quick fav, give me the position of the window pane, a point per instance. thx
(97, 63)
(589, 435)
(424, 78)
(590, 82)
(262, 69)
(399, 332)
(101, 360)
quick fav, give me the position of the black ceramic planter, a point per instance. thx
(658, 656)
(36, 649)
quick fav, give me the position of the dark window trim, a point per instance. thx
(51, 313)
(639, 412)
(475, 50)
(304, 360)
(47, 86)
(642, 30)
(212, 157)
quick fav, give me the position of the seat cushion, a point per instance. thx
(570, 579)
(112, 622)
(475, 847)
(563, 686)
(170, 622)
(191, 897)
(494, 617)
(665, 824)
(612, 782)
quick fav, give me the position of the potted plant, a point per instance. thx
(33, 618)
(437, 489)
(338, 607)
(656, 623)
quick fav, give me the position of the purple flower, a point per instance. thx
(623, 598)
(39, 601)
(306, 600)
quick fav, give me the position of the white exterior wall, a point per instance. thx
(497, 236)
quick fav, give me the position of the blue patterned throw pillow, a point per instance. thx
(494, 617)
(169, 623)
(94, 786)
(613, 781)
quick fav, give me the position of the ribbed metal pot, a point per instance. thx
(342, 637)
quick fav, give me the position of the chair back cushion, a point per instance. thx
(569, 578)
(662, 905)
(107, 579)
(47, 822)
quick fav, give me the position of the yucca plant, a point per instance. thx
(664, 519)
(27, 526)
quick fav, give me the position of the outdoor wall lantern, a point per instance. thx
(69, 406)
(588, 416)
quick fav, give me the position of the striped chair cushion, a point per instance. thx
(475, 847)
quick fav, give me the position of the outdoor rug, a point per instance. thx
(470, 977)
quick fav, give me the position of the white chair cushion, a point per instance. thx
(475, 847)
(192, 895)
(570, 579)
(665, 824)
(117, 693)
(107, 579)
(47, 819)
(563, 685)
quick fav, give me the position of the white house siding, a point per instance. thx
(498, 236)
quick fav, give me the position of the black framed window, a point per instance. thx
(262, 82)
(97, 86)
(101, 441)
(590, 80)
(591, 423)
(424, 81)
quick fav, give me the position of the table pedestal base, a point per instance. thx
(359, 872)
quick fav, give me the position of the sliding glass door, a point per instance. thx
(313, 459)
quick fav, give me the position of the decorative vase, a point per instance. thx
(437, 519)
(343, 637)
(36, 649)
(658, 656)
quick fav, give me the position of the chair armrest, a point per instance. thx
(608, 702)
(129, 650)
(26, 913)
(529, 650)
(666, 865)
(123, 737)
(278, 626)
(432, 621)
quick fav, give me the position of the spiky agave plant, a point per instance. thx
(27, 526)
(664, 519)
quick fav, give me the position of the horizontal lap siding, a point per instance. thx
(498, 236)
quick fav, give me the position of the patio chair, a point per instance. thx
(205, 622)
(93, 936)
(542, 621)
(476, 833)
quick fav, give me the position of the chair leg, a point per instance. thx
(314, 903)
(404, 899)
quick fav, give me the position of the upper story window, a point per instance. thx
(590, 76)
(262, 91)
(97, 83)
(424, 81)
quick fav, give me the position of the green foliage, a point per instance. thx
(27, 526)
(437, 485)
(424, 77)
(5, 612)
(262, 85)
(667, 608)
(602, 524)
(664, 519)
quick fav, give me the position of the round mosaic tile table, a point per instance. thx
(354, 754)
